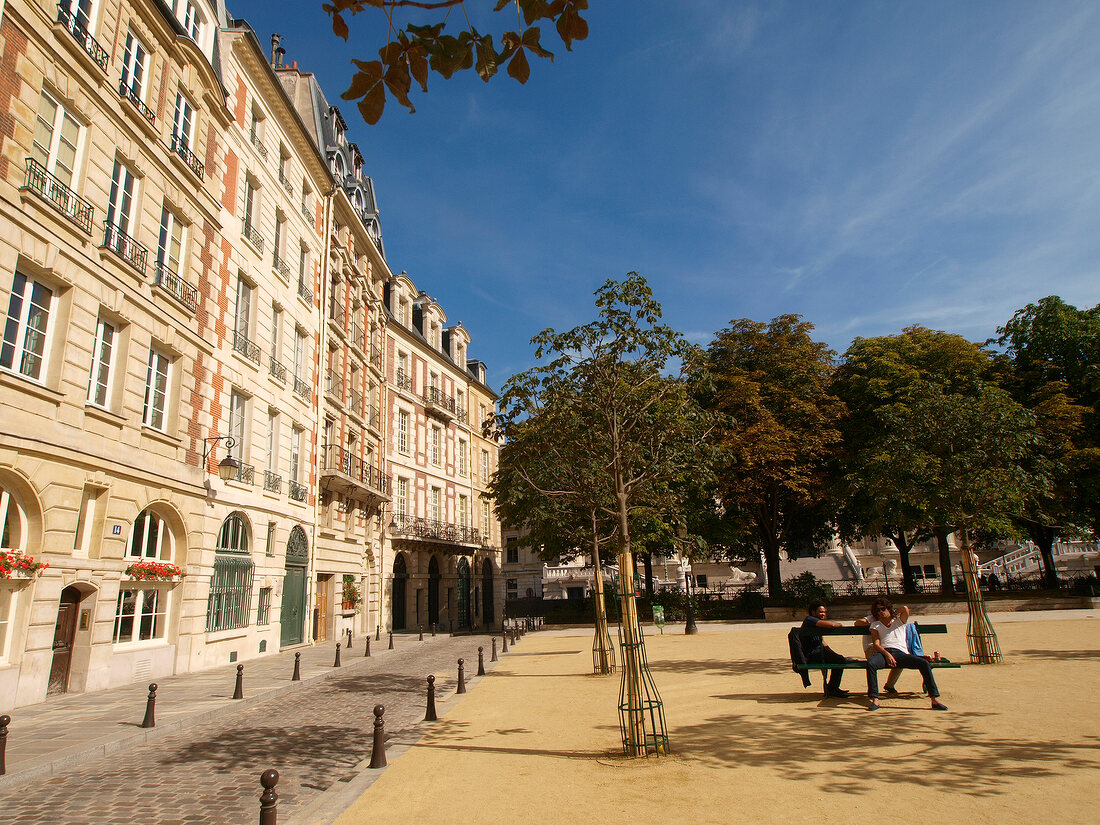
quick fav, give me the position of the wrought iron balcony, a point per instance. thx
(272, 482)
(252, 236)
(463, 416)
(280, 266)
(358, 337)
(404, 381)
(125, 247)
(336, 313)
(357, 403)
(278, 371)
(304, 292)
(343, 471)
(286, 183)
(432, 530)
(58, 195)
(376, 358)
(245, 346)
(179, 146)
(372, 420)
(246, 474)
(436, 402)
(307, 213)
(260, 148)
(334, 385)
(175, 286)
(297, 491)
(131, 93)
(81, 35)
(302, 390)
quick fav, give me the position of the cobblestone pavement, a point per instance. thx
(209, 774)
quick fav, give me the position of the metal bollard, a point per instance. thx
(269, 800)
(297, 677)
(480, 661)
(150, 720)
(461, 678)
(348, 645)
(430, 715)
(435, 626)
(4, 722)
(493, 658)
(378, 752)
(391, 640)
(337, 662)
(366, 651)
(377, 630)
(504, 640)
(238, 691)
(421, 627)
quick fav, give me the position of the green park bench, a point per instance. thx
(923, 629)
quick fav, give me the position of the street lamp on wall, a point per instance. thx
(228, 466)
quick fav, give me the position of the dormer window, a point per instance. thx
(338, 166)
(460, 356)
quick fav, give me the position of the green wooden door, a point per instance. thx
(294, 589)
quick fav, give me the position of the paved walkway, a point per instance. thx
(89, 762)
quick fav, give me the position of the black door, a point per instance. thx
(463, 621)
(487, 594)
(400, 584)
(433, 591)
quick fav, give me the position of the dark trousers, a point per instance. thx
(904, 660)
(826, 656)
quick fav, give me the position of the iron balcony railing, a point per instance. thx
(297, 491)
(372, 420)
(125, 247)
(252, 235)
(278, 371)
(376, 358)
(260, 148)
(462, 416)
(280, 265)
(246, 474)
(424, 528)
(179, 146)
(286, 183)
(334, 384)
(336, 313)
(357, 403)
(435, 397)
(272, 482)
(58, 195)
(304, 292)
(306, 212)
(175, 286)
(81, 35)
(335, 458)
(245, 346)
(130, 93)
(404, 381)
(358, 338)
(301, 389)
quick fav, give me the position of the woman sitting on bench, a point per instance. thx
(890, 650)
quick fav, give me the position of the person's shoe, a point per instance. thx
(874, 705)
(939, 706)
(893, 691)
(838, 693)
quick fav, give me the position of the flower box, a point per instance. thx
(155, 571)
(15, 564)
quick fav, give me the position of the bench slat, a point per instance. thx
(863, 631)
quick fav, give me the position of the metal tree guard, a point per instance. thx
(641, 711)
(603, 651)
(980, 636)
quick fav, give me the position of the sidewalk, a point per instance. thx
(65, 731)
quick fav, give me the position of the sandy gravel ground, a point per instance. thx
(538, 740)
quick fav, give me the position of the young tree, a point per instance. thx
(418, 41)
(779, 426)
(644, 429)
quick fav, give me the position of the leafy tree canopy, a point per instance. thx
(438, 36)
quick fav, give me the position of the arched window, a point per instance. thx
(231, 586)
(149, 538)
(13, 523)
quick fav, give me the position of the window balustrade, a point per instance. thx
(58, 195)
(175, 286)
(125, 247)
(82, 36)
(179, 146)
(245, 346)
(128, 92)
(252, 235)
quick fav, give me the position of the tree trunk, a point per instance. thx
(897, 536)
(603, 654)
(1043, 537)
(647, 563)
(947, 575)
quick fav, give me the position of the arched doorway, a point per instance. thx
(400, 585)
(64, 633)
(487, 594)
(433, 591)
(294, 589)
(463, 621)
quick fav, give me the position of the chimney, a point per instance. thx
(274, 51)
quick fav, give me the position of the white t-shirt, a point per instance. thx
(868, 642)
(891, 635)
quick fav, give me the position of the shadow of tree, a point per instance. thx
(955, 753)
(725, 667)
(392, 682)
(1056, 655)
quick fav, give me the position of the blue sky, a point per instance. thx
(866, 165)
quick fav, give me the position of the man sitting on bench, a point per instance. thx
(890, 650)
(817, 652)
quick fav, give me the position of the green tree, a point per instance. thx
(882, 374)
(778, 427)
(422, 36)
(1053, 369)
(641, 424)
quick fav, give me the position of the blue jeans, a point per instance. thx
(905, 660)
